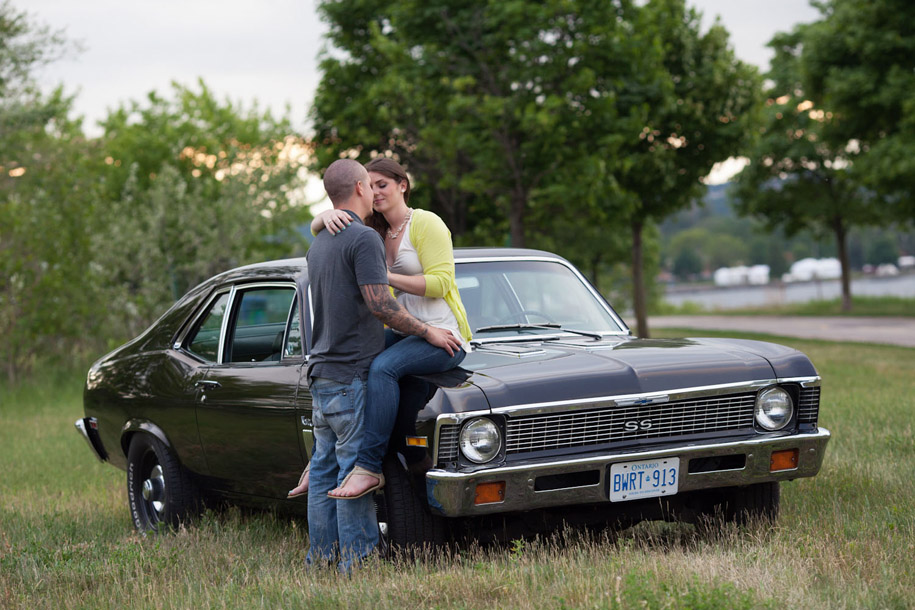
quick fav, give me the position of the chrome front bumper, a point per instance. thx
(88, 429)
(453, 493)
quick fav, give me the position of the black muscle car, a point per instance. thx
(558, 415)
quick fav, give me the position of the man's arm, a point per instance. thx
(384, 307)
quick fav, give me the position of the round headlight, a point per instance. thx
(480, 440)
(774, 408)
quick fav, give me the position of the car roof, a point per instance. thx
(293, 267)
(465, 253)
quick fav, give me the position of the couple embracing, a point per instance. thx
(370, 242)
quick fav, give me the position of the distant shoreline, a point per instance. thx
(780, 293)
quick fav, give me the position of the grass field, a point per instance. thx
(845, 539)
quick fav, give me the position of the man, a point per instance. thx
(349, 287)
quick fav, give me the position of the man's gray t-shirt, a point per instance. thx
(346, 336)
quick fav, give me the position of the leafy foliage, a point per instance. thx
(859, 61)
(25, 46)
(196, 186)
(98, 237)
(480, 100)
(549, 124)
(44, 224)
(805, 170)
(701, 227)
(698, 113)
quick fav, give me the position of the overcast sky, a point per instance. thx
(266, 50)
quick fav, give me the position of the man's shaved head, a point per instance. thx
(340, 179)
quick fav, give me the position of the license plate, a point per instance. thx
(645, 479)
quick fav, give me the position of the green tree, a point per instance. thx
(45, 192)
(882, 250)
(698, 114)
(711, 249)
(25, 47)
(554, 122)
(769, 249)
(193, 186)
(859, 61)
(495, 107)
(799, 176)
(98, 236)
(687, 264)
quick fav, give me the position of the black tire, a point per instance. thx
(410, 525)
(758, 502)
(160, 492)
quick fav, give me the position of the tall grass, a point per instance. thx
(845, 539)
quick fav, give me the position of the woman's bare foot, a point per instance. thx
(302, 488)
(356, 484)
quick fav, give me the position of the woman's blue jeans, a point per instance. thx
(403, 355)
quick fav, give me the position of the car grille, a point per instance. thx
(529, 433)
(448, 443)
(556, 431)
(808, 406)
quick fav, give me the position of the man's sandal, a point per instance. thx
(362, 471)
(304, 492)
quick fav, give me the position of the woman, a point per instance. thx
(421, 270)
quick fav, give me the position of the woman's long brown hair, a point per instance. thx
(395, 171)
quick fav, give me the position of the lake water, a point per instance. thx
(735, 297)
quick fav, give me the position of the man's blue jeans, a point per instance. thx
(403, 355)
(347, 526)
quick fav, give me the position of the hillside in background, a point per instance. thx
(716, 202)
(709, 235)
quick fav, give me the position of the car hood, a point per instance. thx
(570, 369)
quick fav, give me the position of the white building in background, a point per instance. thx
(738, 276)
(808, 269)
(887, 270)
(759, 275)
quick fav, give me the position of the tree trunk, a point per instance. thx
(595, 269)
(516, 218)
(638, 281)
(842, 246)
(11, 376)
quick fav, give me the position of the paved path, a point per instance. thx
(892, 331)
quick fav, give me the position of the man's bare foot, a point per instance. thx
(356, 484)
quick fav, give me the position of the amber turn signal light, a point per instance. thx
(783, 460)
(489, 493)
(417, 441)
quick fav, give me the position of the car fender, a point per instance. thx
(133, 426)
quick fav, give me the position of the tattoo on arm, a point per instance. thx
(385, 308)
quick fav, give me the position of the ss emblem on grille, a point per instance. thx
(635, 426)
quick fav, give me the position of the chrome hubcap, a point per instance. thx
(154, 490)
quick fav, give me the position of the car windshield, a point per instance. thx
(523, 297)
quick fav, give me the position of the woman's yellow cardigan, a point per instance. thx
(432, 240)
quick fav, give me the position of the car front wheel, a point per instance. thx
(757, 502)
(160, 492)
(408, 523)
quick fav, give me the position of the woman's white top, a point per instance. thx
(432, 311)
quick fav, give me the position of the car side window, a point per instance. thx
(205, 341)
(260, 324)
(294, 334)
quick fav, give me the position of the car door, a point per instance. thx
(246, 407)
